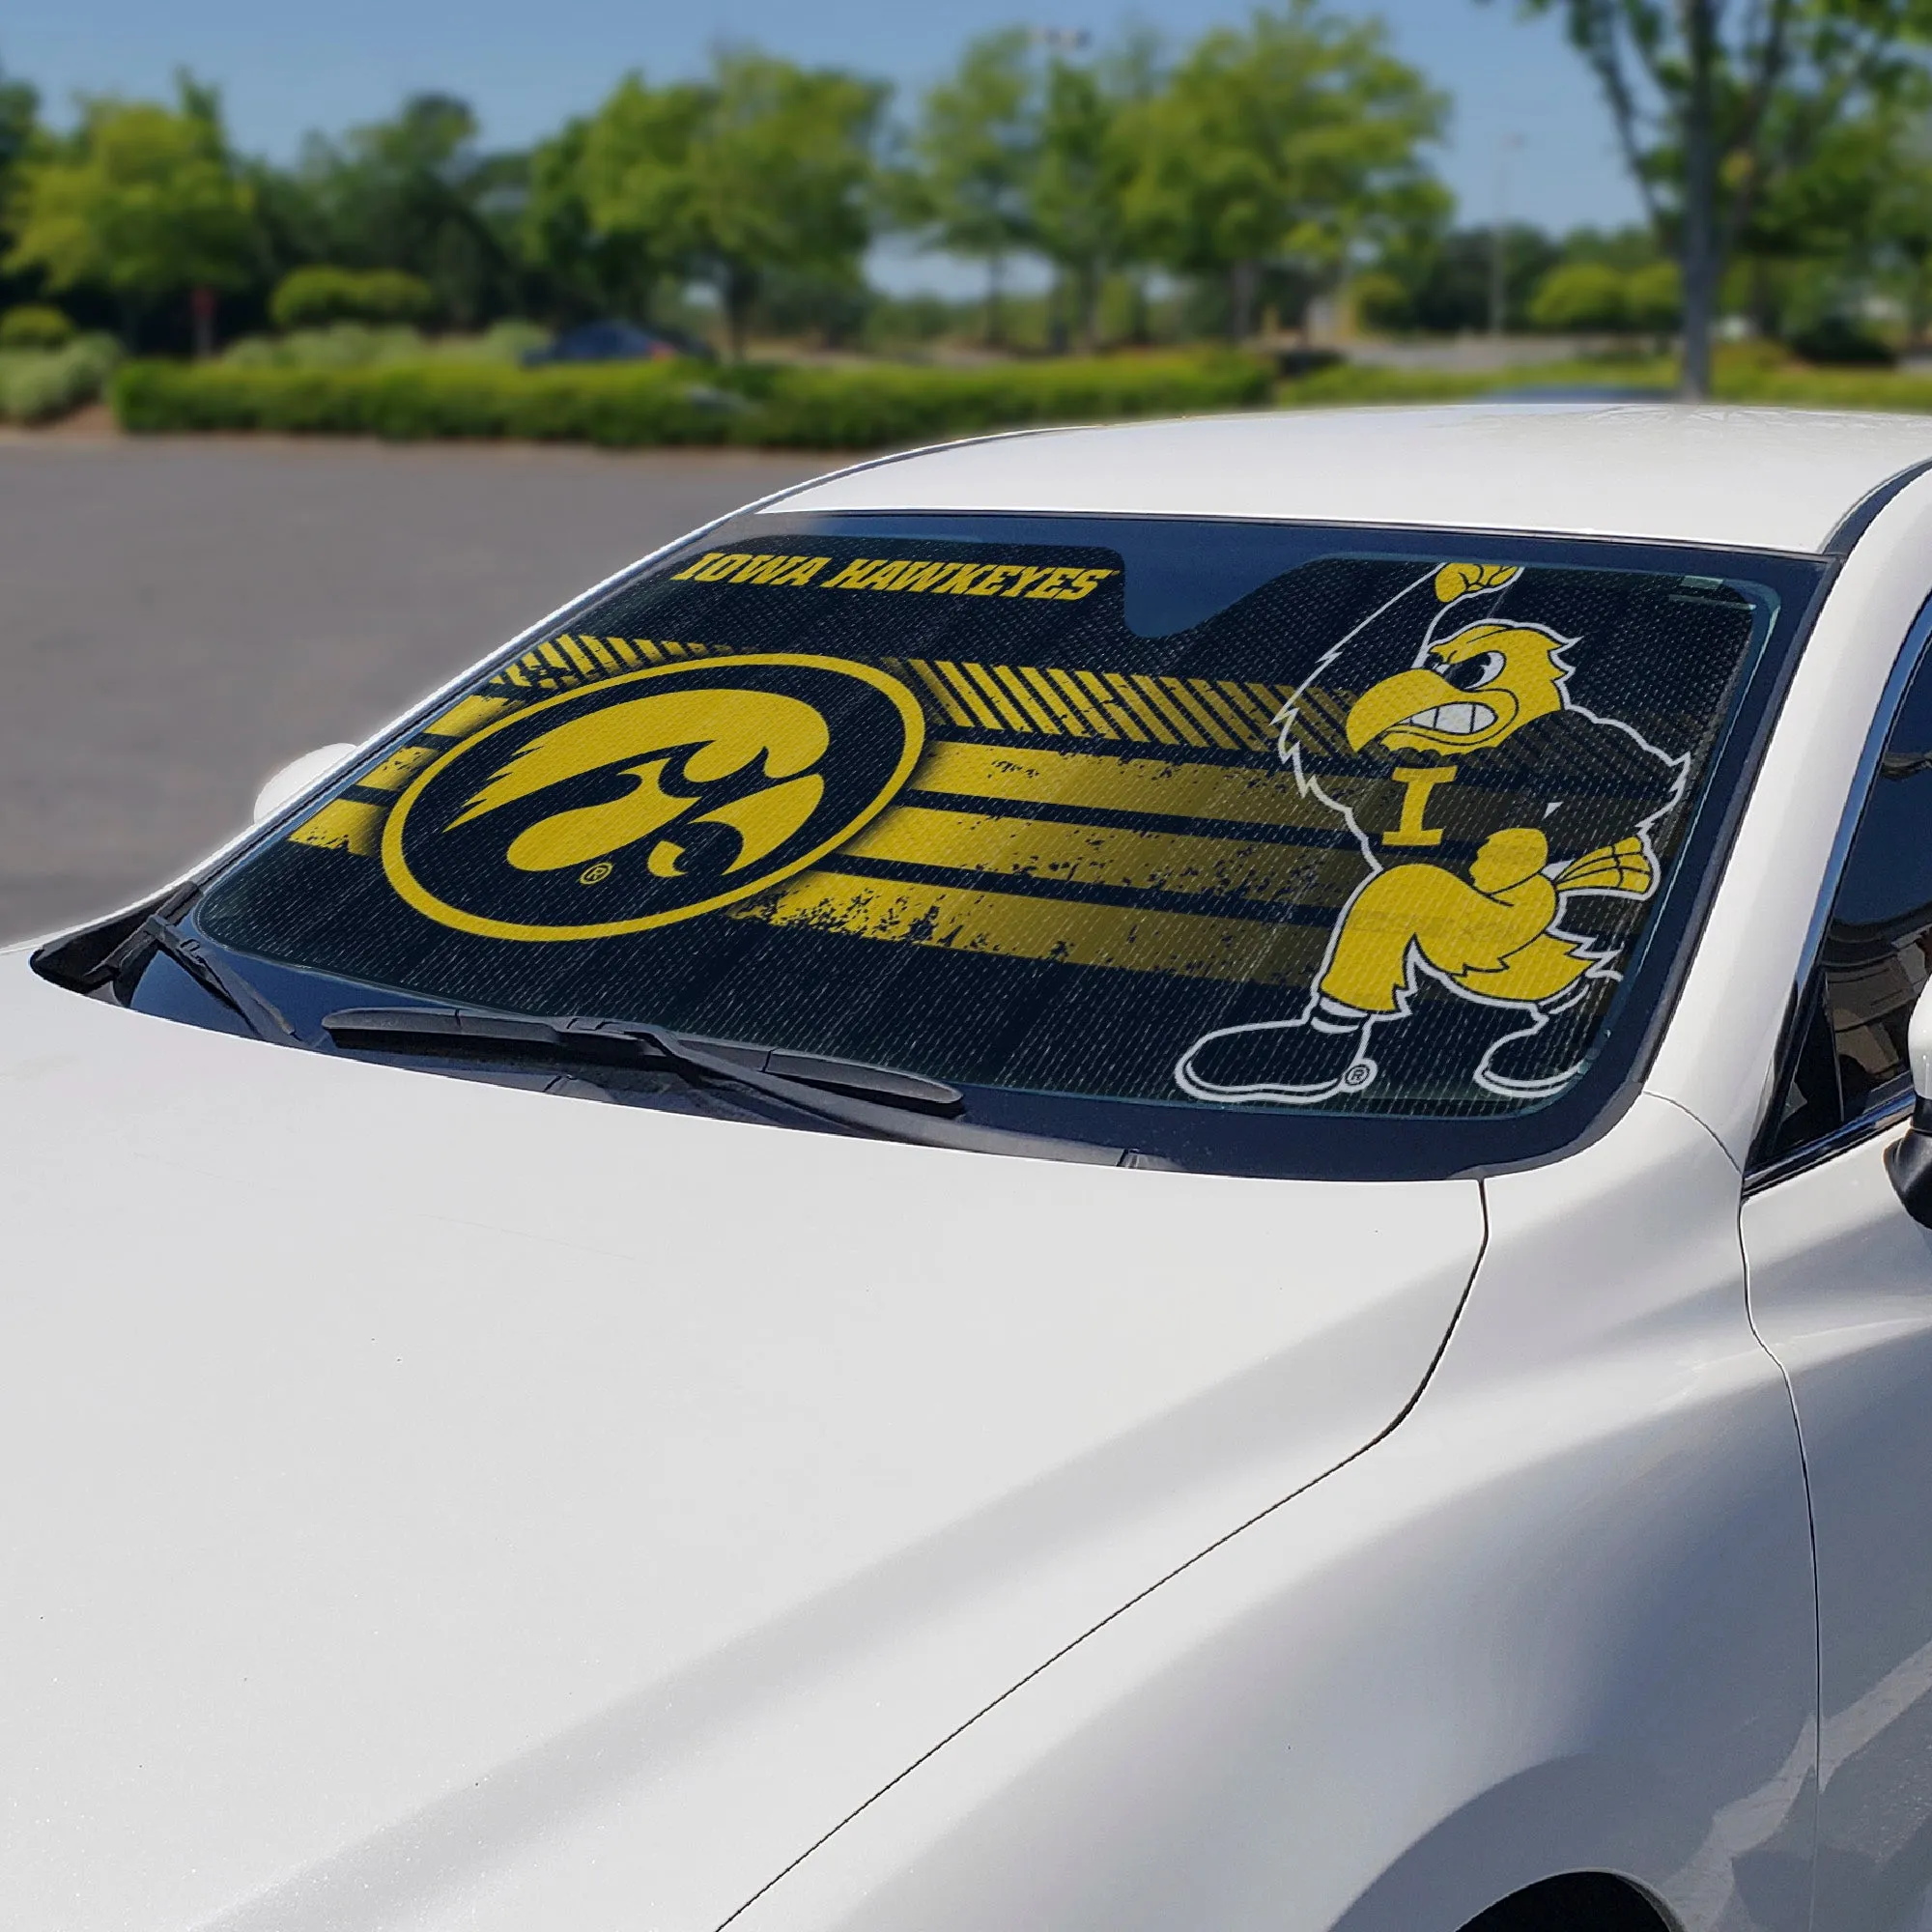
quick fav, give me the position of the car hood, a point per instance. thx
(430, 1503)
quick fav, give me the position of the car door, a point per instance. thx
(1841, 1293)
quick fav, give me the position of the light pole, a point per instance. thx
(1499, 233)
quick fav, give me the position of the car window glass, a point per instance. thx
(1848, 1056)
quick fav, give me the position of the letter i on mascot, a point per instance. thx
(1483, 800)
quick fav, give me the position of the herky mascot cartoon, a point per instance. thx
(1484, 798)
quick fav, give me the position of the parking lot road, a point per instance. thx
(178, 618)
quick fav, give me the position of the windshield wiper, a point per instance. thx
(880, 1100)
(263, 1017)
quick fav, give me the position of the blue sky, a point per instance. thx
(525, 64)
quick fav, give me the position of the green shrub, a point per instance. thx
(1380, 299)
(41, 385)
(1350, 382)
(35, 326)
(315, 298)
(641, 404)
(1796, 387)
(1581, 296)
(1840, 341)
(361, 344)
(1653, 297)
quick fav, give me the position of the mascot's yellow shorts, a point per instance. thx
(1491, 936)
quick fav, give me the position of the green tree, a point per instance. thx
(1715, 111)
(766, 168)
(1292, 139)
(143, 199)
(1589, 295)
(416, 192)
(973, 152)
(625, 198)
(20, 127)
(1076, 193)
(1654, 298)
(586, 269)
(1900, 216)
(20, 136)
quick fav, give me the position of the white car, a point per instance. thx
(1143, 1179)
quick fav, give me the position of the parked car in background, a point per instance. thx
(618, 342)
(1145, 1177)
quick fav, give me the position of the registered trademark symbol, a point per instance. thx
(595, 875)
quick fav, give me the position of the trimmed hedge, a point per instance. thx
(39, 386)
(633, 405)
(1830, 388)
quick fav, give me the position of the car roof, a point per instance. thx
(1767, 479)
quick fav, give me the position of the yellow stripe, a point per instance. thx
(1096, 720)
(954, 711)
(1184, 700)
(962, 685)
(1251, 731)
(1040, 719)
(597, 660)
(1054, 701)
(1243, 703)
(1001, 702)
(1262, 871)
(1190, 945)
(1199, 698)
(1125, 723)
(344, 825)
(1161, 703)
(396, 770)
(1110, 782)
(1157, 727)
(467, 714)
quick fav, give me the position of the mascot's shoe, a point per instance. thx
(1543, 1057)
(1290, 1063)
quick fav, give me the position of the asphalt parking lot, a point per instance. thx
(176, 618)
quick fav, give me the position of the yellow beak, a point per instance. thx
(1395, 699)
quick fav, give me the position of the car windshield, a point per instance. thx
(1266, 848)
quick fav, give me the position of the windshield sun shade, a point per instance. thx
(1377, 837)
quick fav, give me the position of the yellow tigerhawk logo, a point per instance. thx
(1484, 798)
(645, 799)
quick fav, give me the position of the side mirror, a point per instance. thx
(294, 778)
(1910, 1161)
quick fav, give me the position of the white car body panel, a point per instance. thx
(1558, 1620)
(458, 1507)
(508, 1489)
(1764, 479)
(1841, 1291)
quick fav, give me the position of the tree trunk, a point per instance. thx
(201, 310)
(1087, 289)
(1763, 300)
(740, 287)
(1701, 265)
(1244, 283)
(996, 316)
